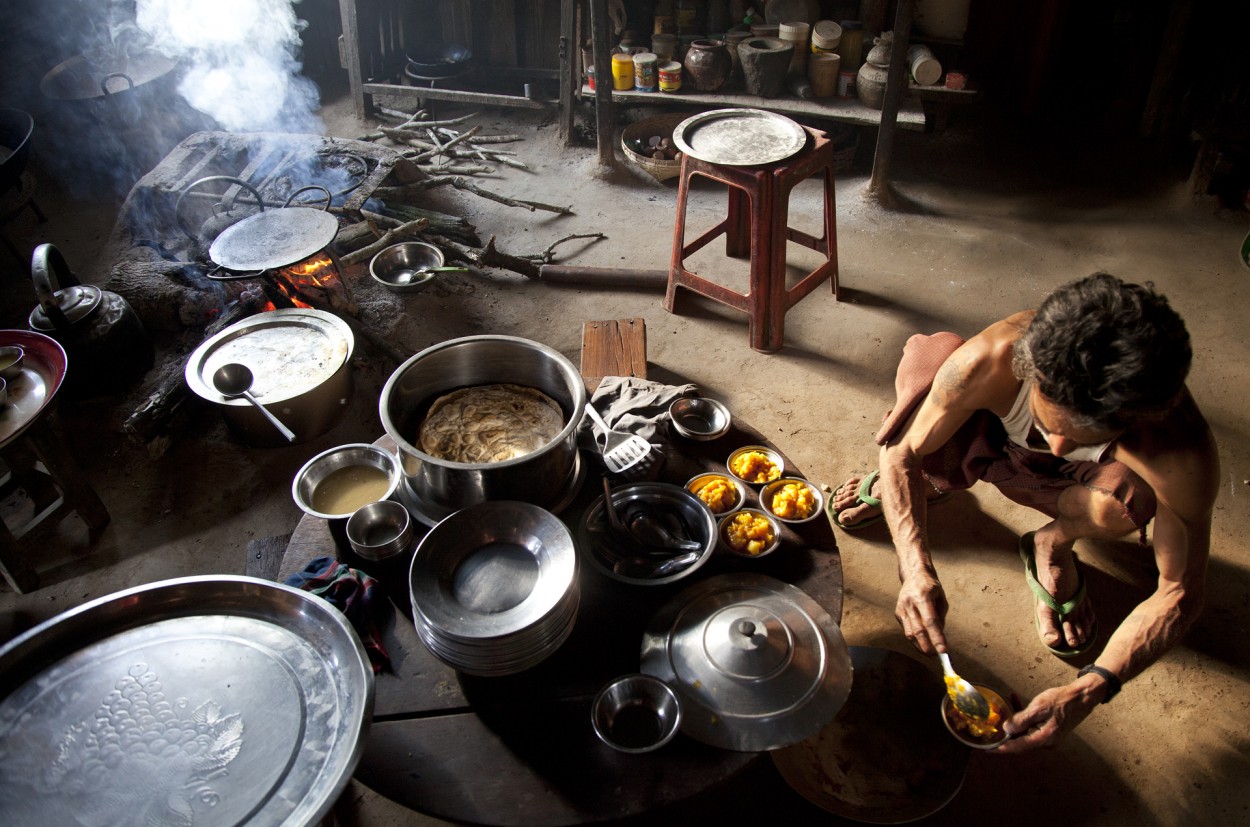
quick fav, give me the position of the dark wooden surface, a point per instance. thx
(519, 750)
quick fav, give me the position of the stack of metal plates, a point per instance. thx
(494, 588)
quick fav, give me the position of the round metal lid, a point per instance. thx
(213, 700)
(273, 238)
(77, 303)
(757, 663)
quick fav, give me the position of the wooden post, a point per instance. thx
(604, 119)
(895, 86)
(570, 73)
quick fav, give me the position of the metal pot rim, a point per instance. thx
(407, 447)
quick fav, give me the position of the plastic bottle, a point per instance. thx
(851, 47)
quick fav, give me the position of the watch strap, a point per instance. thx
(1113, 681)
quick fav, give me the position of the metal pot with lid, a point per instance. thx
(105, 343)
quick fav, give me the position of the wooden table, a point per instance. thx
(520, 750)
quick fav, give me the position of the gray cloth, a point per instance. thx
(637, 406)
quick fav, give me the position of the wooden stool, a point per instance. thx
(38, 462)
(758, 225)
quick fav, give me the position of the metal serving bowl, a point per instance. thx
(636, 713)
(317, 469)
(774, 527)
(11, 359)
(700, 419)
(408, 267)
(771, 490)
(740, 492)
(652, 498)
(997, 702)
(772, 456)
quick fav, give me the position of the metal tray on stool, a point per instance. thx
(739, 137)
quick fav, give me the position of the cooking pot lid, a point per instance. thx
(274, 238)
(757, 663)
(77, 303)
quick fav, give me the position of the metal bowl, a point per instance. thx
(774, 528)
(380, 530)
(655, 498)
(494, 587)
(770, 456)
(700, 419)
(11, 359)
(407, 267)
(768, 492)
(951, 717)
(357, 454)
(636, 713)
(740, 492)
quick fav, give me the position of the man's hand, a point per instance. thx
(921, 611)
(1048, 717)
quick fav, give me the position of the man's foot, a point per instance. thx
(1065, 618)
(856, 503)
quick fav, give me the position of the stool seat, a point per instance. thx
(757, 224)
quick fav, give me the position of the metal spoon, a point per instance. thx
(650, 532)
(234, 380)
(964, 695)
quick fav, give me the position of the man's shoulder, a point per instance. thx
(1177, 449)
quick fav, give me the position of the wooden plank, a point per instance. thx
(497, 26)
(264, 556)
(613, 348)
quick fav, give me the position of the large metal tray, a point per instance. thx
(207, 700)
(43, 370)
(289, 351)
(739, 137)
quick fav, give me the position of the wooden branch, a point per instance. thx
(459, 139)
(492, 257)
(401, 233)
(461, 184)
(549, 253)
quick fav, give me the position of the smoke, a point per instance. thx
(240, 61)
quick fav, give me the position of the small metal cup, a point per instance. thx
(636, 713)
(380, 530)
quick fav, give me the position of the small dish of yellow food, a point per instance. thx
(792, 500)
(755, 464)
(750, 533)
(981, 734)
(717, 491)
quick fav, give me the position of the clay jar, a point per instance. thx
(708, 65)
(765, 61)
(871, 79)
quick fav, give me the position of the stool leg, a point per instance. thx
(738, 224)
(677, 261)
(768, 269)
(831, 230)
(21, 577)
(64, 471)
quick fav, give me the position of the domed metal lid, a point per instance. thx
(76, 303)
(757, 663)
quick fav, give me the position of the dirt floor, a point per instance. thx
(988, 219)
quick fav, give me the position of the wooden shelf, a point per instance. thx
(847, 110)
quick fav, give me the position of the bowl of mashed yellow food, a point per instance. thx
(755, 465)
(721, 493)
(792, 500)
(973, 732)
(749, 532)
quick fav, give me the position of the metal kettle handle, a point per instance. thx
(181, 219)
(50, 272)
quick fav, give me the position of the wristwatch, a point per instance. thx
(1113, 682)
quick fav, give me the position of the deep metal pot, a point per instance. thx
(542, 478)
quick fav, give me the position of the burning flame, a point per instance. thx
(315, 275)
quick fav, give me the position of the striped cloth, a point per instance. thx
(352, 592)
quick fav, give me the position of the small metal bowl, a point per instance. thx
(771, 457)
(768, 492)
(4, 391)
(380, 530)
(774, 528)
(309, 488)
(636, 713)
(408, 267)
(740, 492)
(700, 419)
(951, 718)
(11, 358)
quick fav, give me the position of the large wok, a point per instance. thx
(16, 128)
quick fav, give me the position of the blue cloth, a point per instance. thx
(352, 592)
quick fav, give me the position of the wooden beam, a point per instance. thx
(895, 86)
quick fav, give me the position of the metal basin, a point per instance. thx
(542, 478)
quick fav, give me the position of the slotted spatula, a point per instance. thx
(620, 450)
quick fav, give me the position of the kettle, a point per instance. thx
(105, 343)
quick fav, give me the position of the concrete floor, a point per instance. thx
(989, 219)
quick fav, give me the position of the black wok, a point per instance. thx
(16, 128)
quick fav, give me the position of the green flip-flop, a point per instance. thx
(1062, 610)
(863, 497)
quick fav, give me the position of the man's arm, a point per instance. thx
(976, 376)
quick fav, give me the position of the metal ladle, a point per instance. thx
(235, 380)
(963, 694)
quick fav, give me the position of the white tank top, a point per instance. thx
(1019, 422)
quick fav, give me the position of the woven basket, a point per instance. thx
(645, 128)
